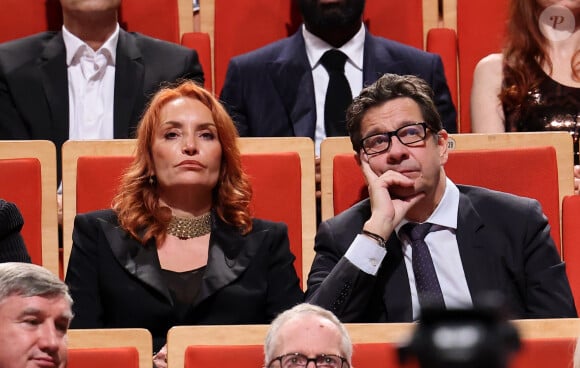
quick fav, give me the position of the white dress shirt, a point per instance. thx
(367, 255)
(353, 69)
(91, 87)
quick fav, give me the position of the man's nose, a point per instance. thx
(49, 337)
(397, 151)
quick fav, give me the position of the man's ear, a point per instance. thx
(442, 140)
(357, 157)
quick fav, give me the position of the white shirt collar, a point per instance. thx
(445, 214)
(353, 48)
(75, 47)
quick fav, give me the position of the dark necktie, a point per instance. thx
(338, 93)
(428, 289)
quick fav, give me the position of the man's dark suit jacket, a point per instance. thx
(270, 91)
(504, 244)
(34, 101)
(115, 281)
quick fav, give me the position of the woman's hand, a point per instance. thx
(160, 359)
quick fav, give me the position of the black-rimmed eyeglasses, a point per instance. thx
(297, 360)
(407, 135)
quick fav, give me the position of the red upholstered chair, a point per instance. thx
(545, 352)
(443, 41)
(24, 18)
(480, 32)
(103, 357)
(154, 18)
(200, 42)
(571, 243)
(400, 21)
(282, 174)
(242, 346)
(234, 35)
(239, 356)
(28, 169)
(503, 170)
(366, 355)
(111, 348)
(281, 171)
(496, 161)
(90, 176)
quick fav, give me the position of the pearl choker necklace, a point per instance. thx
(187, 228)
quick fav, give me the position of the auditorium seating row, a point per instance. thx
(461, 31)
(282, 172)
(545, 342)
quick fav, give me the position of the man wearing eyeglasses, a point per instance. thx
(420, 240)
(307, 333)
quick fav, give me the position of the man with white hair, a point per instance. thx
(307, 333)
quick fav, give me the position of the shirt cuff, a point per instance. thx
(366, 254)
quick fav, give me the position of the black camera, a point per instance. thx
(462, 338)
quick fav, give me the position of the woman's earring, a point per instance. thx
(151, 180)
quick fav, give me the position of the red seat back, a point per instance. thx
(219, 356)
(122, 357)
(277, 188)
(22, 185)
(480, 32)
(200, 42)
(154, 18)
(243, 26)
(497, 169)
(443, 41)
(571, 243)
(24, 18)
(400, 21)
(98, 179)
(545, 352)
(277, 193)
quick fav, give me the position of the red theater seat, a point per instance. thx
(491, 161)
(283, 184)
(200, 42)
(111, 348)
(29, 180)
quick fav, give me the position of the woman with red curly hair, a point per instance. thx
(179, 246)
(534, 84)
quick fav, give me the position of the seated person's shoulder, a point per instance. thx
(490, 65)
(104, 215)
(400, 49)
(23, 50)
(154, 45)
(264, 54)
(496, 202)
(259, 225)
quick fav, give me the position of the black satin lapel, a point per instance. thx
(292, 78)
(54, 76)
(139, 260)
(397, 293)
(472, 241)
(129, 74)
(230, 253)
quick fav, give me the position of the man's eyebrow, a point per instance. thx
(30, 311)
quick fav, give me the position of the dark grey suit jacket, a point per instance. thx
(504, 244)
(115, 281)
(270, 91)
(34, 101)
